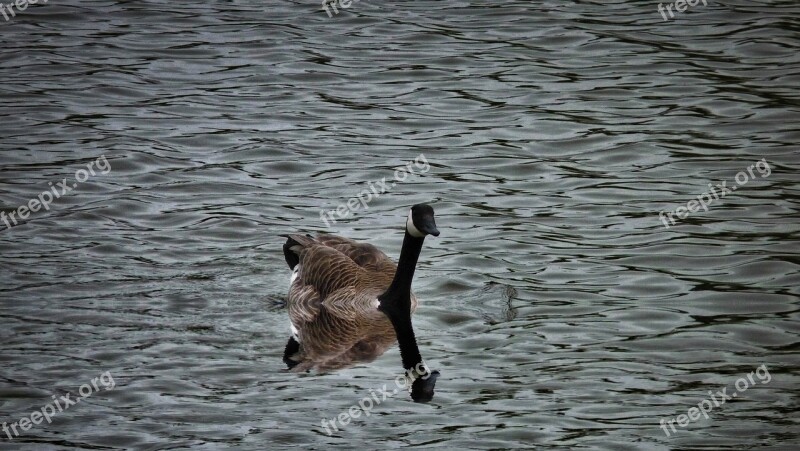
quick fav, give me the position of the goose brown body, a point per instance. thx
(333, 302)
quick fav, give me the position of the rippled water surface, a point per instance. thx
(560, 310)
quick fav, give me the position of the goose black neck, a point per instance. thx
(395, 302)
(409, 254)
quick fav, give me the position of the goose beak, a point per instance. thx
(428, 226)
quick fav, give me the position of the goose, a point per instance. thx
(348, 302)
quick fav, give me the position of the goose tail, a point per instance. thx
(291, 247)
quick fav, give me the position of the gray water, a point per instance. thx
(560, 310)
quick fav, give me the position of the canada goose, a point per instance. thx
(348, 302)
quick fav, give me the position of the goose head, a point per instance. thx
(420, 221)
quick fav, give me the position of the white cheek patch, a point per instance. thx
(295, 332)
(411, 228)
(295, 273)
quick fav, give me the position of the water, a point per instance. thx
(560, 310)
